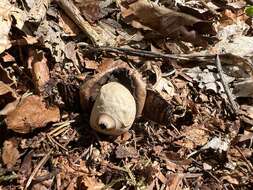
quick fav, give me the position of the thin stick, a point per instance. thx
(35, 171)
(60, 126)
(245, 159)
(144, 53)
(53, 141)
(225, 86)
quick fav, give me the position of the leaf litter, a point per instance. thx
(195, 59)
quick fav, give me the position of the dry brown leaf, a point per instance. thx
(38, 10)
(161, 177)
(5, 89)
(44, 184)
(157, 150)
(93, 10)
(9, 107)
(10, 153)
(174, 181)
(90, 9)
(39, 186)
(90, 183)
(195, 136)
(123, 138)
(247, 113)
(238, 45)
(31, 113)
(5, 25)
(8, 98)
(230, 179)
(160, 19)
(7, 10)
(171, 166)
(90, 64)
(26, 167)
(108, 63)
(165, 88)
(38, 64)
(25, 40)
(243, 88)
(163, 85)
(247, 135)
(199, 9)
(206, 166)
(126, 152)
(71, 53)
(157, 108)
(72, 185)
(6, 57)
(5, 76)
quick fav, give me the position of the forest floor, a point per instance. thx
(195, 58)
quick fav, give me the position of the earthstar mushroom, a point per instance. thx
(114, 110)
(117, 96)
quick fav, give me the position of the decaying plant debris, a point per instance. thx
(187, 66)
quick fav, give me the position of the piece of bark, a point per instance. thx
(96, 34)
(31, 113)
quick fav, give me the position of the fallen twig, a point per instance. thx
(147, 54)
(225, 86)
(38, 167)
(245, 159)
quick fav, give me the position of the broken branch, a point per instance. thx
(225, 85)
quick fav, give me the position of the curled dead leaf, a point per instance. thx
(165, 88)
(38, 64)
(31, 113)
(10, 153)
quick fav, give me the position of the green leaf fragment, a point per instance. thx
(249, 11)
